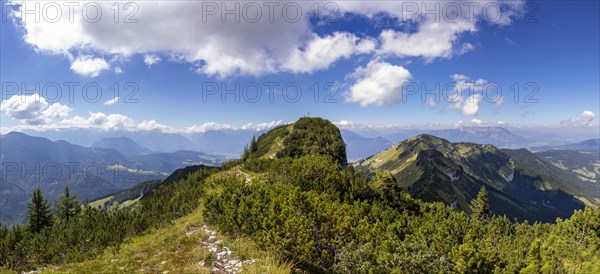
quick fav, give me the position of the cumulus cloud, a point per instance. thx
(344, 123)
(89, 66)
(207, 126)
(378, 83)
(35, 113)
(201, 128)
(154, 125)
(112, 101)
(225, 45)
(321, 52)
(584, 119)
(101, 121)
(433, 40)
(262, 126)
(151, 59)
(467, 94)
(468, 106)
(33, 109)
(462, 82)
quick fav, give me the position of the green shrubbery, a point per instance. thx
(331, 220)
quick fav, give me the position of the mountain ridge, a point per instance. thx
(434, 169)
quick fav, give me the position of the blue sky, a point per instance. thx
(172, 59)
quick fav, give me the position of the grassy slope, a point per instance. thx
(172, 249)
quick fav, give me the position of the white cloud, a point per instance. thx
(262, 126)
(219, 45)
(118, 70)
(321, 52)
(33, 109)
(151, 59)
(56, 111)
(101, 121)
(477, 122)
(344, 123)
(378, 83)
(206, 127)
(153, 125)
(584, 119)
(468, 106)
(462, 83)
(459, 77)
(112, 101)
(35, 113)
(89, 66)
(434, 39)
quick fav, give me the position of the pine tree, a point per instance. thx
(253, 145)
(480, 206)
(40, 215)
(67, 206)
(245, 154)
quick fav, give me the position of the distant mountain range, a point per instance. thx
(225, 142)
(496, 136)
(587, 145)
(521, 184)
(361, 142)
(112, 164)
(358, 147)
(124, 145)
(228, 142)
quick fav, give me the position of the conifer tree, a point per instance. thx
(67, 206)
(253, 145)
(480, 206)
(40, 215)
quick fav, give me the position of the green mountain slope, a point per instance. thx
(585, 165)
(130, 196)
(307, 136)
(521, 185)
(545, 175)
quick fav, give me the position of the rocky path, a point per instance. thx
(223, 261)
(247, 179)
